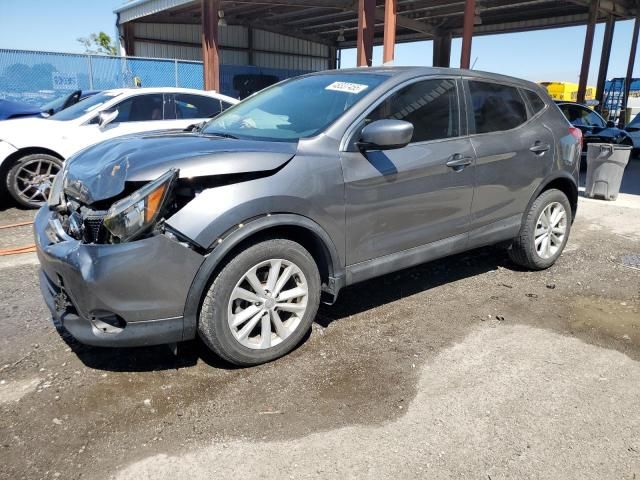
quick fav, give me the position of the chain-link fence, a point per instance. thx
(37, 77)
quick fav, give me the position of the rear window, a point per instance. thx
(534, 99)
(496, 107)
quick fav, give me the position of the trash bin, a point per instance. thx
(605, 166)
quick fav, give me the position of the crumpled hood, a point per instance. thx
(100, 172)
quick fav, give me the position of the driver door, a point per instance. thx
(404, 198)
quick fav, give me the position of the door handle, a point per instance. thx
(540, 148)
(458, 162)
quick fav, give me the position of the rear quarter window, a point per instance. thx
(496, 107)
(534, 100)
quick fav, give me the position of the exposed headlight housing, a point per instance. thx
(55, 193)
(131, 216)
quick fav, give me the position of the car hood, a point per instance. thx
(101, 171)
(21, 131)
(9, 109)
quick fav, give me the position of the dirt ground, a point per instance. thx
(466, 367)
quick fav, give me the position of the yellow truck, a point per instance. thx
(567, 91)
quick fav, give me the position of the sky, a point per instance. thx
(55, 25)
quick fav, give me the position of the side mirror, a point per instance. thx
(106, 117)
(386, 135)
(611, 124)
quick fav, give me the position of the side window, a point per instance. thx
(581, 116)
(430, 105)
(141, 108)
(196, 106)
(496, 107)
(534, 99)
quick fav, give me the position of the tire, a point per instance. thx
(531, 252)
(226, 304)
(39, 168)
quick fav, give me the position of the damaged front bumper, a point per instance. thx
(115, 295)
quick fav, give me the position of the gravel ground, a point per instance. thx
(466, 367)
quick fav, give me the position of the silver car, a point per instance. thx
(236, 230)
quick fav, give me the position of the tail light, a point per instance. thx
(576, 133)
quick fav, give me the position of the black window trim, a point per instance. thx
(471, 121)
(347, 144)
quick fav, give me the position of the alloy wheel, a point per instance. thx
(551, 229)
(33, 180)
(268, 303)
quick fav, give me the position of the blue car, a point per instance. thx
(10, 109)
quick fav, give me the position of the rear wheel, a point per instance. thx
(29, 179)
(262, 303)
(544, 233)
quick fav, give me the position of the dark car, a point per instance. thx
(237, 230)
(11, 110)
(595, 129)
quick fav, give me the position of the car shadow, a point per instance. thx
(352, 300)
(395, 286)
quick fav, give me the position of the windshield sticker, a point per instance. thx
(347, 87)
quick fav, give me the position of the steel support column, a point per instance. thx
(366, 31)
(586, 53)
(622, 119)
(210, 48)
(129, 39)
(604, 61)
(390, 14)
(467, 33)
(442, 50)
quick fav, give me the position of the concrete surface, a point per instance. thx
(466, 367)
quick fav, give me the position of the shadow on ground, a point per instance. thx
(353, 300)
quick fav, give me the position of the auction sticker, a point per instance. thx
(347, 87)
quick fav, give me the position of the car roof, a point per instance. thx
(141, 90)
(406, 72)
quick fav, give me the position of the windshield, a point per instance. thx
(83, 107)
(635, 123)
(55, 104)
(298, 108)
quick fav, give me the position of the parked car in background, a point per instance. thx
(595, 129)
(32, 149)
(10, 110)
(249, 83)
(633, 130)
(235, 231)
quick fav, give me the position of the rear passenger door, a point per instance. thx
(408, 197)
(514, 151)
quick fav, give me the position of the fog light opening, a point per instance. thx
(108, 322)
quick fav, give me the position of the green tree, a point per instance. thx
(99, 44)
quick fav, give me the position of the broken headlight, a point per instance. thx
(129, 217)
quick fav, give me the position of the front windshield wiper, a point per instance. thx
(221, 134)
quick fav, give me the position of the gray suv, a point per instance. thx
(237, 229)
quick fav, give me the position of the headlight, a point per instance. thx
(55, 193)
(130, 216)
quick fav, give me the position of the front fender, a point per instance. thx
(233, 239)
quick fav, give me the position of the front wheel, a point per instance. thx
(544, 233)
(30, 178)
(261, 304)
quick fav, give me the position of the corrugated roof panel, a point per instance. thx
(142, 8)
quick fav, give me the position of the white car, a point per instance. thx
(32, 149)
